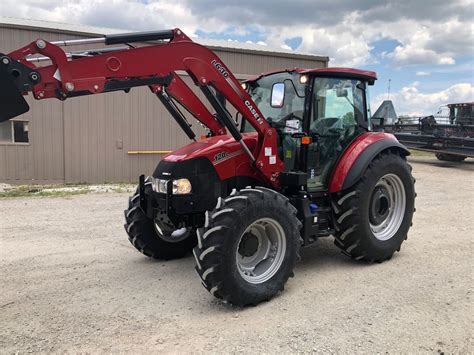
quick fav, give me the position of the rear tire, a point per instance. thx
(450, 157)
(373, 217)
(146, 239)
(242, 265)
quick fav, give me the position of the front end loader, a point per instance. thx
(302, 162)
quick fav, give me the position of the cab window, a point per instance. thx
(337, 117)
(338, 105)
(293, 98)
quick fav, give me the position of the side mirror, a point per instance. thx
(278, 95)
(381, 122)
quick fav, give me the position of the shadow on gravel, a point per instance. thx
(467, 165)
(325, 255)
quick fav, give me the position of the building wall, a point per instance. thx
(87, 139)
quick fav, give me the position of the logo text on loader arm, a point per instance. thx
(253, 112)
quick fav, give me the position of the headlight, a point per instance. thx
(159, 185)
(180, 186)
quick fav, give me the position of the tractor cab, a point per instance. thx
(462, 113)
(317, 114)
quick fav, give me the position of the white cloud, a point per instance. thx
(423, 73)
(411, 101)
(434, 34)
(261, 43)
(412, 54)
(416, 41)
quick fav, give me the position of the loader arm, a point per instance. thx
(189, 100)
(155, 66)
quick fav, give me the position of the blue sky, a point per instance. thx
(425, 48)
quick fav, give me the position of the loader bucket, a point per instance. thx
(12, 102)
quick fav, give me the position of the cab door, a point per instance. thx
(338, 116)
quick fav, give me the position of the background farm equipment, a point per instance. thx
(450, 135)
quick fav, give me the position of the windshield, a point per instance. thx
(293, 103)
(464, 111)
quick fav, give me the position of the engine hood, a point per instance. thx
(224, 153)
(211, 146)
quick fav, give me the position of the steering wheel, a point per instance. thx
(292, 115)
(329, 132)
(281, 122)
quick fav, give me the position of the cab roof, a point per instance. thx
(462, 104)
(365, 75)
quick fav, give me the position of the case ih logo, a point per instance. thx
(220, 68)
(253, 111)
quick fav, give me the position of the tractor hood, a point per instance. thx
(224, 153)
(208, 147)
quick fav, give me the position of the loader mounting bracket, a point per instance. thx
(13, 78)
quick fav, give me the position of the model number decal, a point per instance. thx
(219, 156)
(220, 68)
(224, 156)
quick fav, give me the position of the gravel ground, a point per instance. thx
(71, 282)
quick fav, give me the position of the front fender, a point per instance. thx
(356, 158)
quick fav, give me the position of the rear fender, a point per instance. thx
(357, 157)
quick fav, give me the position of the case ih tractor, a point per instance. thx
(301, 164)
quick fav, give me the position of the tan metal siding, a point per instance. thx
(42, 159)
(77, 140)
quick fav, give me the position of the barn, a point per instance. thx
(113, 137)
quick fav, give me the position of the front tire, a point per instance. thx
(373, 217)
(248, 247)
(144, 236)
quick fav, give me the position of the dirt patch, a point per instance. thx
(72, 282)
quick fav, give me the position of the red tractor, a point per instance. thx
(299, 164)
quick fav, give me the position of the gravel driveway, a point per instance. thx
(70, 281)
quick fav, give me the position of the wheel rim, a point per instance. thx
(174, 237)
(387, 207)
(261, 250)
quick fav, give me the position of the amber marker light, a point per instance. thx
(306, 140)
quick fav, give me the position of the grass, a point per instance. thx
(62, 190)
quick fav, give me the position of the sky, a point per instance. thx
(425, 48)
